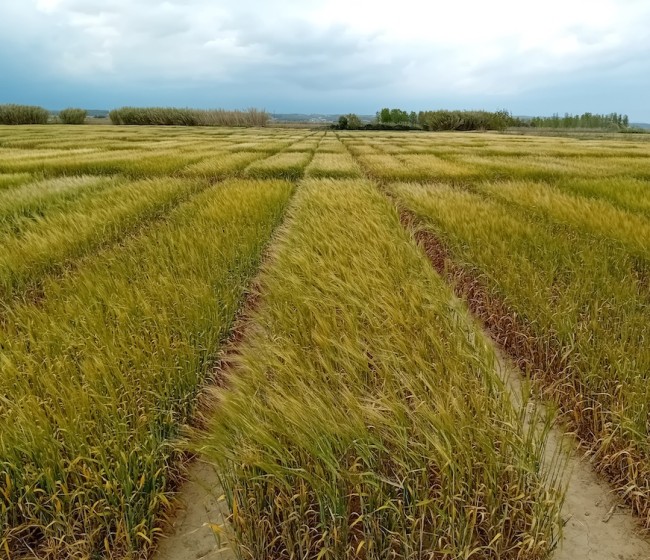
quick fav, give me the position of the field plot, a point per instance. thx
(333, 165)
(286, 165)
(361, 413)
(138, 282)
(43, 236)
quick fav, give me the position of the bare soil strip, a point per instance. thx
(192, 536)
(598, 525)
(194, 531)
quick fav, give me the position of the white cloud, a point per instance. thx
(428, 47)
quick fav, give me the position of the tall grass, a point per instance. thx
(36, 199)
(333, 165)
(98, 378)
(591, 217)
(623, 192)
(363, 417)
(13, 179)
(23, 114)
(221, 165)
(283, 165)
(136, 163)
(188, 117)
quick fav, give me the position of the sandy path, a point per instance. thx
(191, 537)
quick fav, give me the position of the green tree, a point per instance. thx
(354, 122)
(397, 116)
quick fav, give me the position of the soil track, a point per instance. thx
(597, 525)
(192, 536)
(201, 507)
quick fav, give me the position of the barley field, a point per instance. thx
(311, 311)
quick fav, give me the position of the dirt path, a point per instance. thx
(192, 537)
(597, 525)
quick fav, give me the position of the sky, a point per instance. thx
(329, 56)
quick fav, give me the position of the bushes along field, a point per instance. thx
(187, 117)
(23, 114)
(73, 116)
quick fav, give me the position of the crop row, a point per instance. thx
(549, 241)
(40, 240)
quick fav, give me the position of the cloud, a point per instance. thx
(327, 50)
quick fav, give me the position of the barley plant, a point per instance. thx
(363, 417)
(564, 282)
(102, 371)
(359, 413)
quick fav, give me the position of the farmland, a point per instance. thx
(318, 306)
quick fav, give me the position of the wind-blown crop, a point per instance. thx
(568, 298)
(99, 376)
(363, 417)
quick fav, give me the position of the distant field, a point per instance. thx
(363, 415)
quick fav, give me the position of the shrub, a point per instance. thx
(354, 122)
(73, 116)
(23, 114)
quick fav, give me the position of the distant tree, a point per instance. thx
(586, 120)
(413, 118)
(397, 116)
(343, 122)
(384, 115)
(353, 121)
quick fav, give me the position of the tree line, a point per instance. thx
(586, 120)
(398, 119)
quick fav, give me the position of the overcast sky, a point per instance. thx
(329, 56)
